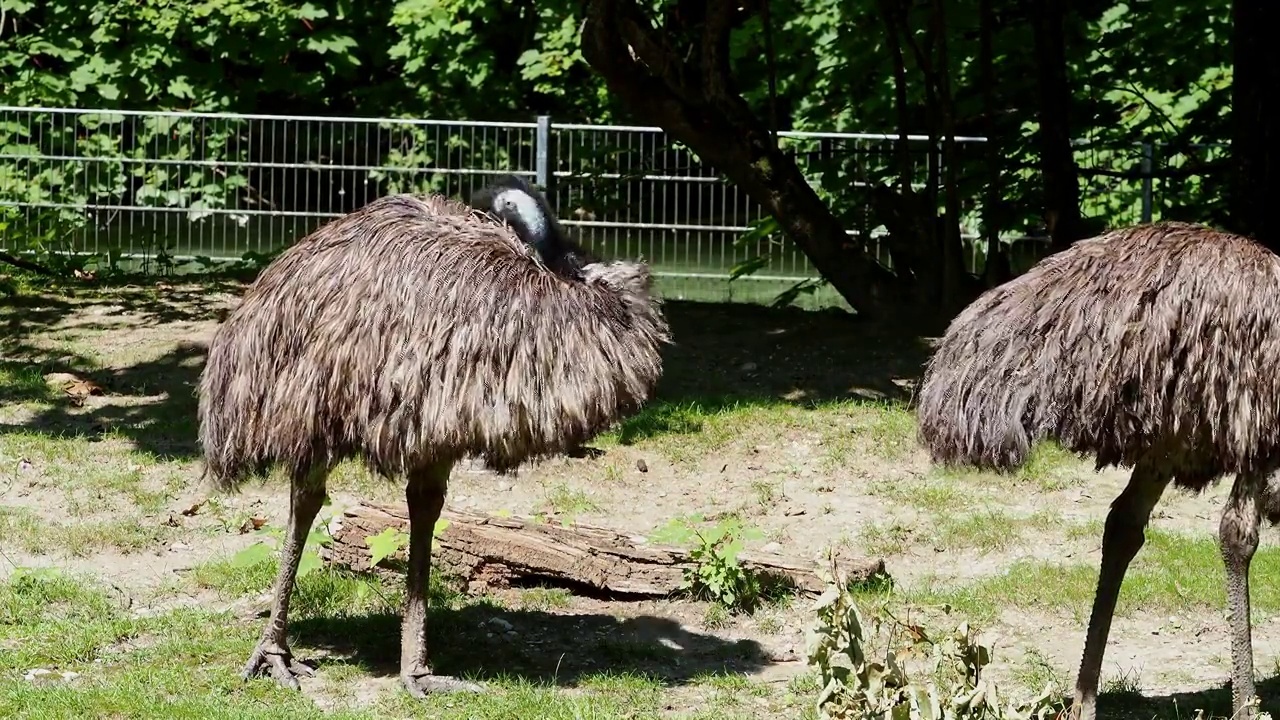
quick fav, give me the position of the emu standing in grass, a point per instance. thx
(1153, 347)
(411, 333)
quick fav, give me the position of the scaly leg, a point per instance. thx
(1238, 539)
(425, 493)
(272, 654)
(1121, 540)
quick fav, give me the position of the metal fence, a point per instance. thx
(174, 188)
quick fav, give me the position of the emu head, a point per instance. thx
(512, 199)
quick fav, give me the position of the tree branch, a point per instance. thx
(27, 265)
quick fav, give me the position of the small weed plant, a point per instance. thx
(855, 686)
(716, 574)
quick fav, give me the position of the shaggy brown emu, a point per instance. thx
(1153, 347)
(411, 333)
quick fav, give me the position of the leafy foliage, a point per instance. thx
(716, 574)
(855, 686)
(810, 65)
(391, 543)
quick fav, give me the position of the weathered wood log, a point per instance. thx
(490, 551)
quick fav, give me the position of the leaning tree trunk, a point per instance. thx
(688, 91)
(1255, 116)
(1057, 163)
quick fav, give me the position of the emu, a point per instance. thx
(1152, 347)
(411, 333)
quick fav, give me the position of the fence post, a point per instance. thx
(542, 153)
(1148, 182)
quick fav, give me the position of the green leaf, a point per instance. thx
(385, 544)
(256, 553)
(309, 563)
(179, 87)
(441, 526)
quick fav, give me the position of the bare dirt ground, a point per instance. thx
(770, 415)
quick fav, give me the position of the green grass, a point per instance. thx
(1172, 573)
(568, 502)
(688, 431)
(185, 663)
(23, 529)
(23, 382)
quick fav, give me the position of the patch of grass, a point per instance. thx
(853, 429)
(23, 382)
(1172, 573)
(322, 593)
(1125, 683)
(686, 432)
(1052, 467)
(545, 598)
(935, 494)
(891, 430)
(126, 535)
(715, 616)
(892, 538)
(987, 530)
(766, 493)
(569, 502)
(186, 663)
(77, 539)
(1036, 671)
(20, 528)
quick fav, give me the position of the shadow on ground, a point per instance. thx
(750, 353)
(540, 647)
(151, 404)
(1215, 703)
(724, 355)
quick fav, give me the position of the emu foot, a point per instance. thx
(276, 660)
(420, 686)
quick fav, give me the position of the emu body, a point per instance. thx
(411, 333)
(1153, 347)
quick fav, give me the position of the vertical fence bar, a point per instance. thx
(1148, 182)
(542, 154)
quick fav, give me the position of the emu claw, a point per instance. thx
(422, 685)
(279, 663)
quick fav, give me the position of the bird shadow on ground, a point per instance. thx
(724, 356)
(485, 642)
(1215, 703)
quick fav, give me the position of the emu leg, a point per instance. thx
(425, 493)
(1121, 540)
(1238, 539)
(273, 654)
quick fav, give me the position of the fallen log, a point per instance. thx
(491, 551)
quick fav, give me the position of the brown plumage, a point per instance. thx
(1153, 347)
(411, 333)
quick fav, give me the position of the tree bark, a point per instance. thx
(491, 551)
(997, 270)
(1255, 117)
(1057, 162)
(690, 94)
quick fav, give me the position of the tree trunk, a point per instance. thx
(1255, 117)
(997, 270)
(689, 93)
(490, 551)
(953, 269)
(1057, 162)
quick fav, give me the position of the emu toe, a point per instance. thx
(279, 663)
(422, 685)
